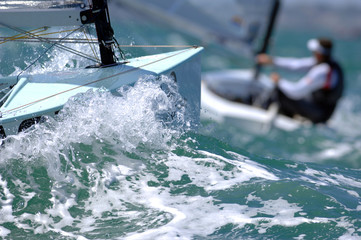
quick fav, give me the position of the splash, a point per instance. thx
(92, 145)
(148, 115)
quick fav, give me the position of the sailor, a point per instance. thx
(315, 95)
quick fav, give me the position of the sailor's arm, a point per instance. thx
(286, 63)
(294, 63)
(313, 81)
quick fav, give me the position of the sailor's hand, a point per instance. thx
(264, 59)
(275, 77)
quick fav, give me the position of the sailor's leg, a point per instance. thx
(309, 110)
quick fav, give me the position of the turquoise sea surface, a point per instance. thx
(107, 168)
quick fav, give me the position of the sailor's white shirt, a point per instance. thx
(315, 79)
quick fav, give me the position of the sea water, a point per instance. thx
(107, 167)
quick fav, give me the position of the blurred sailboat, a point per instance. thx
(243, 27)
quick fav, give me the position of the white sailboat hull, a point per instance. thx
(251, 118)
(45, 94)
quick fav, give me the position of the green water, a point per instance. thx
(107, 168)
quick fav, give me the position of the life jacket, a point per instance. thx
(329, 95)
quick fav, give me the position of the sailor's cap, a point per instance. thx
(315, 46)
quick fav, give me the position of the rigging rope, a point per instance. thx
(156, 46)
(21, 35)
(91, 45)
(51, 40)
(56, 43)
(27, 38)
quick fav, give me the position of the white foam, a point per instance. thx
(119, 191)
(300, 237)
(199, 214)
(349, 236)
(346, 181)
(214, 178)
(318, 177)
(6, 203)
(324, 179)
(350, 230)
(194, 215)
(183, 216)
(4, 232)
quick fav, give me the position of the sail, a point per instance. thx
(39, 13)
(239, 25)
(42, 4)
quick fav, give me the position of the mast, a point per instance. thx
(99, 15)
(270, 27)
